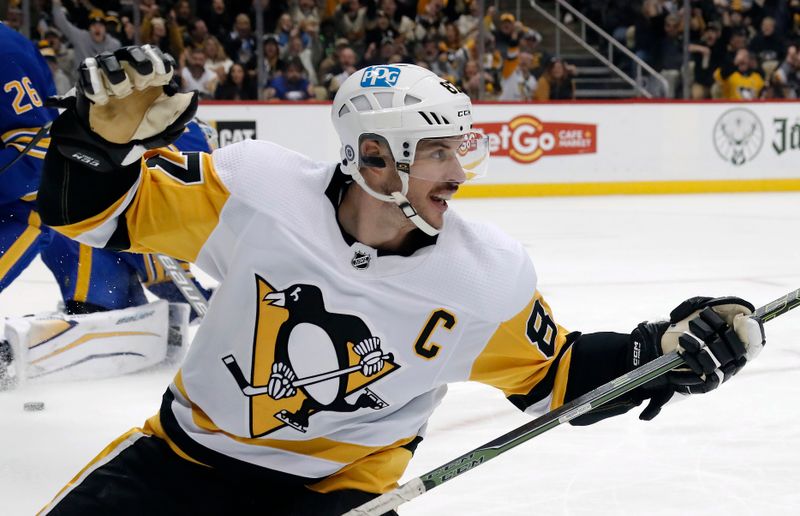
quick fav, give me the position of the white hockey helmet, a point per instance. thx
(403, 104)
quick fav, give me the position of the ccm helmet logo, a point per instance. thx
(380, 76)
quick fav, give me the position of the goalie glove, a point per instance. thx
(123, 104)
(715, 336)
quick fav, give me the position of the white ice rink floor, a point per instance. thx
(604, 264)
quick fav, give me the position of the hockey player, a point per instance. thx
(99, 280)
(90, 280)
(350, 296)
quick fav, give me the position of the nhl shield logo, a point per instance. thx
(360, 260)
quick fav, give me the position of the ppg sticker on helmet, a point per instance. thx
(380, 77)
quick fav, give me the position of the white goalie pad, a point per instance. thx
(98, 345)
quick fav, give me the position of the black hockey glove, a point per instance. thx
(715, 336)
(124, 103)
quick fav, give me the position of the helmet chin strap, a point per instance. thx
(398, 198)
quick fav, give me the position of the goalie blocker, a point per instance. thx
(91, 346)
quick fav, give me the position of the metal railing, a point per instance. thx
(644, 74)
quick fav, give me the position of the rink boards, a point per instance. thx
(581, 148)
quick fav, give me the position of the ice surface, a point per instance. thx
(604, 263)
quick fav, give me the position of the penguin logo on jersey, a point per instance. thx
(307, 360)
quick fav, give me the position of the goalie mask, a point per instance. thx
(420, 117)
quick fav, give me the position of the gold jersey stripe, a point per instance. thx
(84, 272)
(93, 336)
(29, 197)
(85, 226)
(375, 473)
(152, 426)
(21, 244)
(29, 131)
(170, 217)
(510, 361)
(320, 447)
(109, 452)
(32, 152)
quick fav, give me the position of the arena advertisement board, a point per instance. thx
(585, 148)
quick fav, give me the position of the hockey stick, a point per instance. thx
(593, 399)
(188, 289)
(249, 390)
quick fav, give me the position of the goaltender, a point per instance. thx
(350, 295)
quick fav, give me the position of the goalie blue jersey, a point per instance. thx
(26, 82)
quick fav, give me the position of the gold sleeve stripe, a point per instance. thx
(511, 361)
(171, 216)
(29, 197)
(21, 245)
(75, 230)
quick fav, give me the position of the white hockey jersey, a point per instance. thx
(321, 357)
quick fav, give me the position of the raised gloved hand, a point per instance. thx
(124, 103)
(715, 336)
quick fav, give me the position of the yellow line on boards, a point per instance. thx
(637, 188)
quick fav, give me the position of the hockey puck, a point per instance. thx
(33, 406)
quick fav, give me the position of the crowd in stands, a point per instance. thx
(310, 46)
(739, 49)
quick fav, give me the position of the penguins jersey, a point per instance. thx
(320, 357)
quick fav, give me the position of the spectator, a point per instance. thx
(381, 30)
(62, 82)
(164, 35)
(428, 21)
(217, 18)
(556, 83)
(739, 79)
(195, 76)
(520, 84)
(128, 35)
(707, 56)
(767, 46)
(290, 85)
(785, 80)
(507, 35)
(273, 64)
(272, 11)
(296, 50)
(669, 59)
(302, 11)
(469, 22)
(401, 23)
(197, 34)
(242, 45)
(351, 17)
(216, 59)
(346, 66)
(85, 43)
(65, 57)
(238, 85)
(470, 81)
(649, 30)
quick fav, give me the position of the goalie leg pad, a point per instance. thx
(90, 346)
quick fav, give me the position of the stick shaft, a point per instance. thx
(581, 405)
(188, 289)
